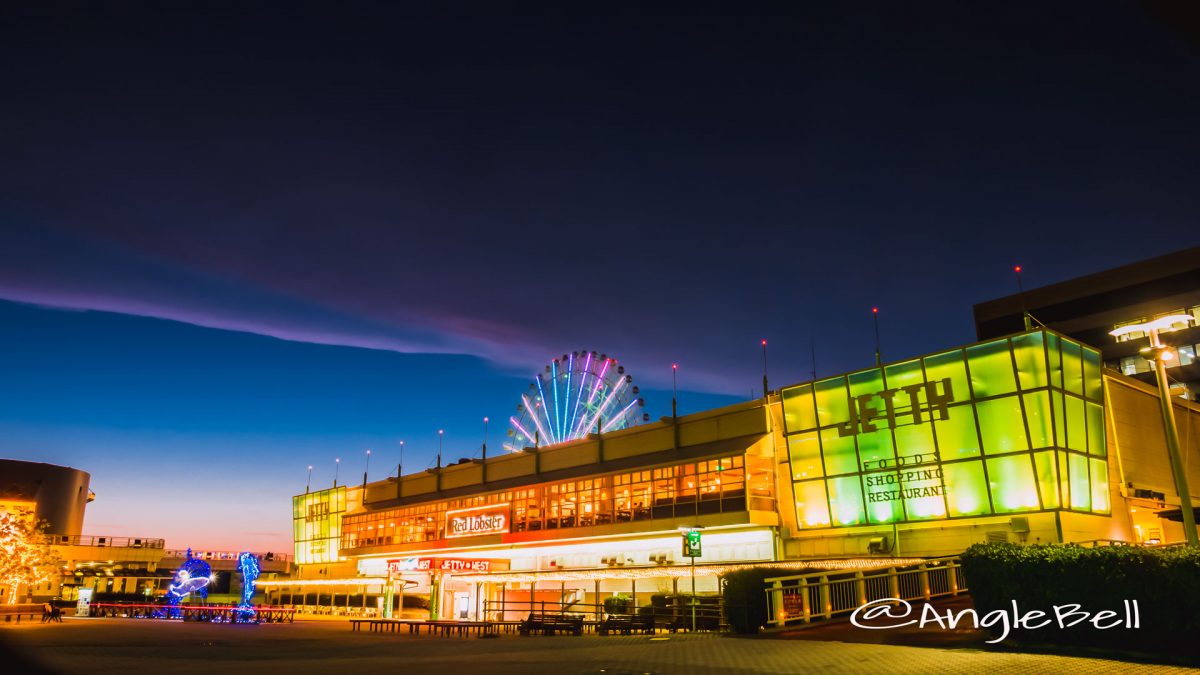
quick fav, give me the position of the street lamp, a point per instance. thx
(1157, 353)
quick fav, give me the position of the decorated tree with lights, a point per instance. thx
(25, 558)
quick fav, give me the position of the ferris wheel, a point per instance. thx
(572, 397)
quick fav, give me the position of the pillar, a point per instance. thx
(435, 596)
(400, 607)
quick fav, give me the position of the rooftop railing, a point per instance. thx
(268, 556)
(104, 540)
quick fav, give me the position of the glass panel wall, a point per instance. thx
(728, 484)
(962, 433)
(317, 525)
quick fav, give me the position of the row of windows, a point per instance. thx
(1185, 356)
(707, 487)
(1010, 484)
(1194, 312)
(1006, 424)
(316, 524)
(1025, 362)
(710, 486)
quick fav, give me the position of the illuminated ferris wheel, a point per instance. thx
(571, 398)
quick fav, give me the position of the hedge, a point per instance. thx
(745, 596)
(1165, 582)
(618, 604)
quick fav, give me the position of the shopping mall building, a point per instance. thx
(1024, 438)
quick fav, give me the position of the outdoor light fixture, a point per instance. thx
(1156, 325)
(1158, 354)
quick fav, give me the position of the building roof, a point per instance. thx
(1144, 282)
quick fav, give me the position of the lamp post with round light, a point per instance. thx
(1158, 353)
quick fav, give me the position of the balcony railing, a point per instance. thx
(104, 540)
(269, 556)
(823, 595)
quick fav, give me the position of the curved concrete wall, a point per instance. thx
(61, 492)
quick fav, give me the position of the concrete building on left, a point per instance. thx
(113, 567)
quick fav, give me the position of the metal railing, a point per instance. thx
(823, 595)
(330, 610)
(269, 556)
(677, 616)
(104, 540)
(206, 613)
(1097, 543)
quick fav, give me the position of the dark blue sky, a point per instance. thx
(429, 202)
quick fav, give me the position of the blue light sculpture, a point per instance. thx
(193, 576)
(248, 565)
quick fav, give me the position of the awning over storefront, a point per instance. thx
(1176, 515)
(350, 581)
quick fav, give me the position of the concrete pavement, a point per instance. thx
(99, 646)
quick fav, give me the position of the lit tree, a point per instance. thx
(25, 557)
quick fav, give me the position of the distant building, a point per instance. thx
(113, 567)
(1087, 308)
(57, 494)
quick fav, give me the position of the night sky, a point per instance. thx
(239, 239)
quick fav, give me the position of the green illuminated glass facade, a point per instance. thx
(1004, 426)
(317, 525)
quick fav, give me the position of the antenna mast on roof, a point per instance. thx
(878, 354)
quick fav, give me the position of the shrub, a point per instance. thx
(745, 597)
(1165, 582)
(618, 604)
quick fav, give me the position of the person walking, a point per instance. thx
(47, 612)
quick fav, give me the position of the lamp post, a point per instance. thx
(1157, 353)
(674, 392)
(765, 388)
(400, 473)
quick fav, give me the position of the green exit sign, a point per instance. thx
(691, 544)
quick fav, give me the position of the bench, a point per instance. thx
(442, 628)
(627, 624)
(549, 624)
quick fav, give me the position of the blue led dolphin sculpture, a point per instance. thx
(193, 576)
(248, 566)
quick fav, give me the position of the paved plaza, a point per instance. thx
(97, 646)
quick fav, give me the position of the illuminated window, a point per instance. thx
(1030, 405)
(1187, 355)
